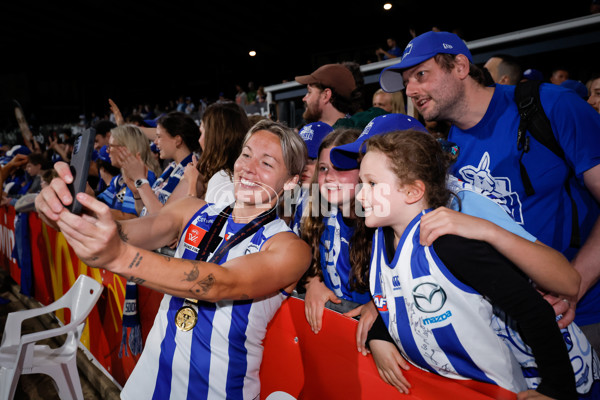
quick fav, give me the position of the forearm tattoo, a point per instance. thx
(122, 234)
(193, 274)
(137, 281)
(203, 286)
(136, 261)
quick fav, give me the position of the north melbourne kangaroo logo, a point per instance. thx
(499, 187)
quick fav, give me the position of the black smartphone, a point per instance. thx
(80, 165)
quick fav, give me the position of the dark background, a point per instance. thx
(60, 60)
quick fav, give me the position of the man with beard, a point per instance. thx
(562, 210)
(329, 94)
(331, 98)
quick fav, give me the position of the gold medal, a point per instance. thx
(186, 318)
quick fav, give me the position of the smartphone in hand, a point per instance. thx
(80, 165)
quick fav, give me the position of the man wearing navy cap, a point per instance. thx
(438, 74)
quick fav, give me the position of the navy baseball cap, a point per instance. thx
(577, 86)
(533, 75)
(18, 149)
(313, 134)
(10, 154)
(420, 49)
(103, 154)
(346, 155)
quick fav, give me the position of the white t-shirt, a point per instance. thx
(220, 189)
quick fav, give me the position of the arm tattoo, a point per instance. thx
(137, 281)
(204, 285)
(193, 274)
(122, 234)
(136, 261)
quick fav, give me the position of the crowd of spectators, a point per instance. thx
(149, 157)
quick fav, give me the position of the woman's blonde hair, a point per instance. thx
(136, 142)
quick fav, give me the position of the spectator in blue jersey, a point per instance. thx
(206, 341)
(36, 164)
(14, 180)
(340, 241)
(393, 50)
(176, 136)
(437, 303)
(119, 195)
(555, 200)
(106, 170)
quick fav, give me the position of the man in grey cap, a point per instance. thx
(554, 196)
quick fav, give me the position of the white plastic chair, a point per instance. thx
(21, 355)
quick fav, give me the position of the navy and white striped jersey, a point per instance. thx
(220, 357)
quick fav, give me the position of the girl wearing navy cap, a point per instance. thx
(340, 240)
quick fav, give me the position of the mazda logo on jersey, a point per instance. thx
(429, 297)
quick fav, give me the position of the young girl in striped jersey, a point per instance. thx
(437, 303)
(340, 240)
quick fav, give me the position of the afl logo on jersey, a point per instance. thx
(193, 236)
(380, 302)
(429, 297)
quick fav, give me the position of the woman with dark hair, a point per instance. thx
(222, 132)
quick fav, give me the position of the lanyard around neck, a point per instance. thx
(212, 240)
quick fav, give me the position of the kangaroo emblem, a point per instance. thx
(500, 187)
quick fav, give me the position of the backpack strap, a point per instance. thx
(535, 121)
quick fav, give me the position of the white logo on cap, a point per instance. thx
(367, 129)
(307, 133)
(407, 50)
(447, 46)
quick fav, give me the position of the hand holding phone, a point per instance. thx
(80, 165)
